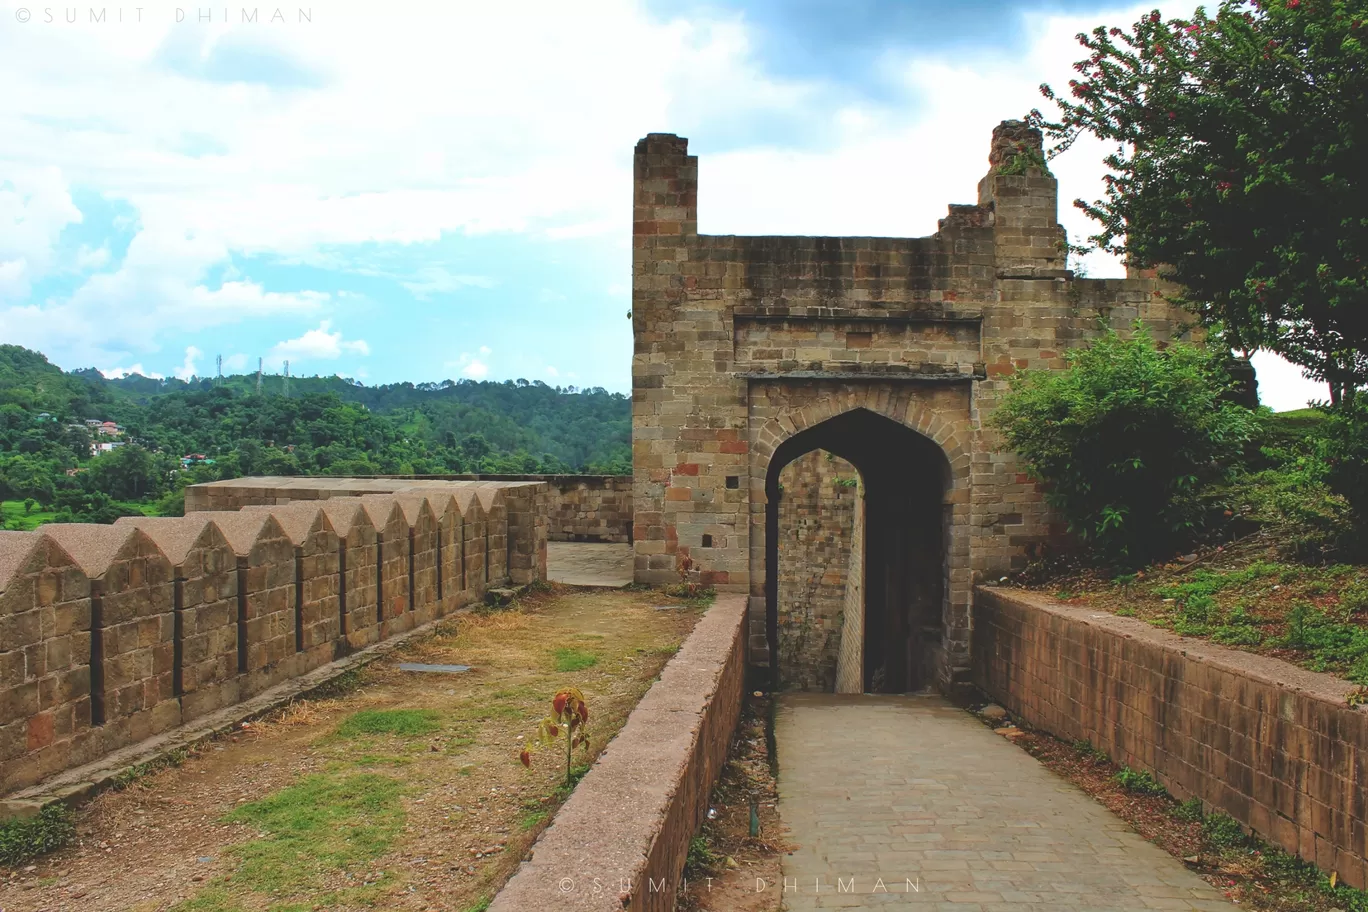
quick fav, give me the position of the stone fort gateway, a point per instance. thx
(811, 439)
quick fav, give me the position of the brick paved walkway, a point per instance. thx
(911, 788)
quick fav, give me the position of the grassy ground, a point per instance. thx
(402, 791)
(1244, 597)
(17, 520)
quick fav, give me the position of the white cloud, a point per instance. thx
(476, 367)
(187, 369)
(115, 373)
(90, 258)
(431, 280)
(35, 207)
(551, 371)
(235, 362)
(319, 344)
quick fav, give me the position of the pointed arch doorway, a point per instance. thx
(892, 633)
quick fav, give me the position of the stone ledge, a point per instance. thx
(860, 376)
(621, 840)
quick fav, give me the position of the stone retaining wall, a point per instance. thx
(1270, 744)
(621, 840)
(111, 634)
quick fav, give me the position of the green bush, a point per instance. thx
(1127, 438)
(1141, 782)
(23, 840)
(1223, 832)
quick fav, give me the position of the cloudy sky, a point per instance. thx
(421, 190)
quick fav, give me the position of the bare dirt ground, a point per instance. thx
(403, 792)
(725, 860)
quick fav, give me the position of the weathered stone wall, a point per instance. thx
(850, 659)
(132, 628)
(817, 507)
(110, 634)
(627, 826)
(205, 672)
(743, 343)
(574, 507)
(44, 658)
(1274, 746)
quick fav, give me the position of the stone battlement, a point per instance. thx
(110, 634)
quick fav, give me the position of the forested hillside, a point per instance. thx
(53, 423)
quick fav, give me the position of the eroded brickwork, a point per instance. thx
(743, 343)
(818, 500)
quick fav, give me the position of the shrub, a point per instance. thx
(1344, 449)
(23, 840)
(1126, 438)
(1141, 782)
(1223, 832)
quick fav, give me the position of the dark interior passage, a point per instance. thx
(904, 476)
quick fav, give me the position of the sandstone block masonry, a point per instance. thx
(581, 508)
(112, 634)
(745, 347)
(1270, 744)
(817, 518)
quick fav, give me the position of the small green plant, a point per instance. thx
(1141, 782)
(568, 660)
(483, 904)
(402, 722)
(700, 858)
(569, 718)
(1189, 811)
(26, 839)
(1222, 831)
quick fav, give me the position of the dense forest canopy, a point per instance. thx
(319, 425)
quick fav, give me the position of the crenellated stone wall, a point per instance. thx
(112, 634)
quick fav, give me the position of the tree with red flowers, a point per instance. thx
(569, 716)
(1240, 169)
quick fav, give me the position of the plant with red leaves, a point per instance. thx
(569, 719)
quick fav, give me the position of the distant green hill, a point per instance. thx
(326, 425)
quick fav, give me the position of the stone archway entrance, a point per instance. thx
(891, 632)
